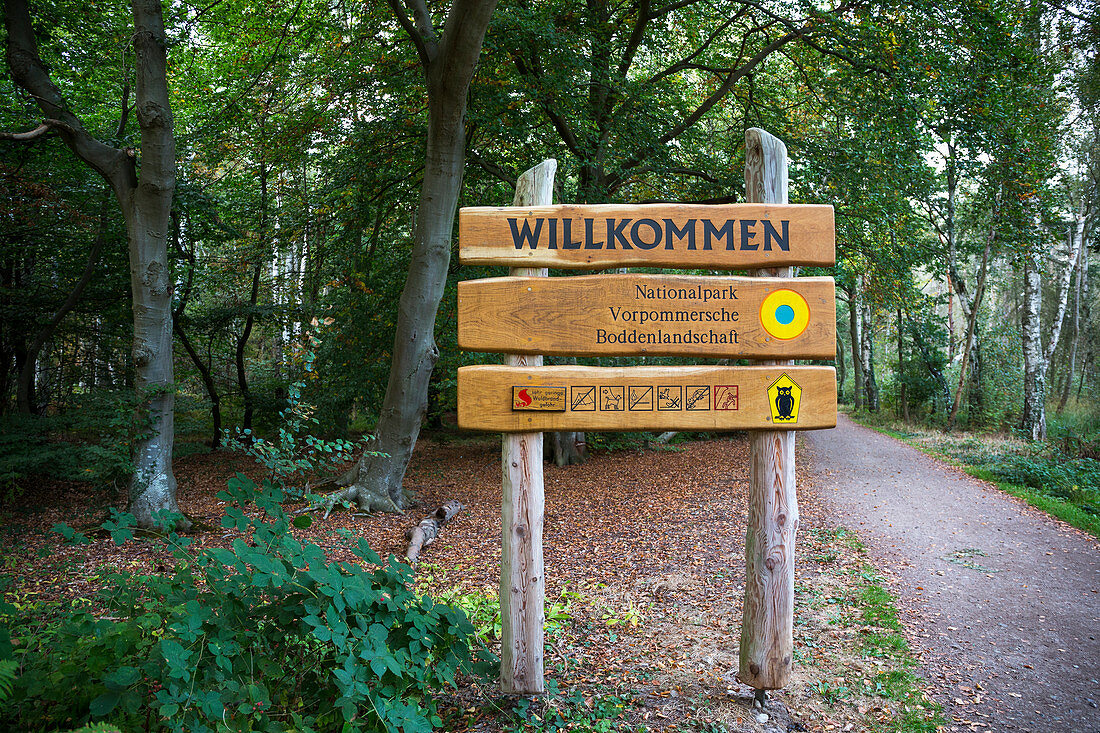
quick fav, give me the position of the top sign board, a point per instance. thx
(595, 236)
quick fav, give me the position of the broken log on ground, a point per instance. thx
(425, 533)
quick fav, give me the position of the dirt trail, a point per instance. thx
(1002, 601)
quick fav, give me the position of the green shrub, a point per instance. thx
(268, 635)
(294, 451)
(1065, 478)
(91, 442)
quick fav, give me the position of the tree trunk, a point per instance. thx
(857, 344)
(146, 203)
(1033, 423)
(1036, 357)
(566, 448)
(247, 402)
(974, 389)
(867, 353)
(903, 402)
(841, 365)
(449, 62)
(971, 329)
(147, 212)
(1075, 324)
(207, 381)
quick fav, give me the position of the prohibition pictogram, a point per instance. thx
(670, 398)
(640, 399)
(725, 397)
(582, 399)
(698, 397)
(611, 398)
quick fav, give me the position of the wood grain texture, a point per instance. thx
(604, 315)
(522, 582)
(644, 398)
(767, 622)
(664, 238)
(767, 626)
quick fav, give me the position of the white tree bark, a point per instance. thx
(1036, 356)
(867, 357)
(1034, 418)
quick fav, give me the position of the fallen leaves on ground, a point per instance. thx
(644, 564)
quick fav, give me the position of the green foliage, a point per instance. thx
(265, 635)
(90, 443)
(296, 452)
(8, 673)
(1072, 479)
(575, 711)
(1076, 432)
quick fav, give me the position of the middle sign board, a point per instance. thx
(656, 315)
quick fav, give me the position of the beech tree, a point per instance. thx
(143, 188)
(448, 59)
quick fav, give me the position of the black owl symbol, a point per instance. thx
(784, 403)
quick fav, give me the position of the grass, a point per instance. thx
(867, 677)
(1043, 474)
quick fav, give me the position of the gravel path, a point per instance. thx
(1001, 601)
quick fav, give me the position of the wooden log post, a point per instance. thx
(522, 585)
(767, 626)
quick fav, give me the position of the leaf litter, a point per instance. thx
(644, 566)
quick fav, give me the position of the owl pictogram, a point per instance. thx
(784, 403)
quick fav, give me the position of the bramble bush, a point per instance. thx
(268, 635)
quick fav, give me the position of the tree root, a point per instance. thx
(366, 500)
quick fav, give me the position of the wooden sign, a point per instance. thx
(510, 399)
(660, 315)
(729, 236)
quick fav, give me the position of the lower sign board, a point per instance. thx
(530, 399)
(660, 315)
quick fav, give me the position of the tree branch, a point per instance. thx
(534, 71)
(422, 50)
(495, 170)
(707, 104)
(30, 73)
(34, 134)
(635, 40)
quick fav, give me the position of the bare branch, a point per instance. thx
(32, 134)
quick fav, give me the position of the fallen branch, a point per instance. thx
(664, 438)
(425, 533)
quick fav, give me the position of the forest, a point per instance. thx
(230, 227)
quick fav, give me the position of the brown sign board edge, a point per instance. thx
(560, 316)
(488, 235)
(647, 398)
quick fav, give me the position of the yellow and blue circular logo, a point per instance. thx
(784, 314)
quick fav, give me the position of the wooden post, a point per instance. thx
(767, 626)
(522, 585)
